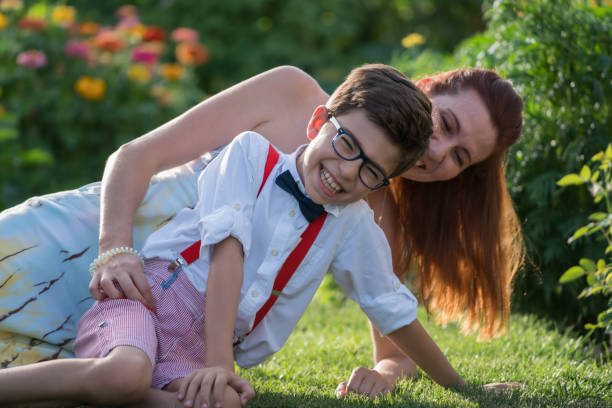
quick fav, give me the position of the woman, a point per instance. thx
(465, 254)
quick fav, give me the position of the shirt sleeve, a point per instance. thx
(363, 268)
(228, 189)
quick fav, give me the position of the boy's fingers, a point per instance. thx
(242, 387)
(219, 388)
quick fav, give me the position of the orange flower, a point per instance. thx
(139, 73)
(162, 94)
(154, 33)
(14, 5)
(189, 53)
(109, 41)
(184, 34)
(63, 15)
(32, 23)
(89, 28)
(90, 88)
(171, 72)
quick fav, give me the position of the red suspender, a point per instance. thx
(293, 260)
(290, 266)
(193, 251)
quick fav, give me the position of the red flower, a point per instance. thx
(32, 23)
(154, 33)
(144, 55)
(32, 59)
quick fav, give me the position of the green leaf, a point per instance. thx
(608, 249)
(598, 216)
(598, 156)
(37, 157)
(570, 180)
(587, 264)
(585, 172)
(579, 232)
(595, 176)
(609, 151)
(590, 279)
(601, 263)
(571, 274)
(8, 134)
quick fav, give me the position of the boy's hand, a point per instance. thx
(364, 381)
(197, 388)
(126, 271)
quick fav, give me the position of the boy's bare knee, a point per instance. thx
(120, 378)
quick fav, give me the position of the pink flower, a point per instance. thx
(32, 59)
(78, 49)
(184, 34)
(144, 55)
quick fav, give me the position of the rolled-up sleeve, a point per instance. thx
(363, 268)
(228, 189)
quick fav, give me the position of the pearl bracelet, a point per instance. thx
(107, 255)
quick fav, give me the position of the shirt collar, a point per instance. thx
(333, 209)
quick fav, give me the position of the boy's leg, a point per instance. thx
(124, 376)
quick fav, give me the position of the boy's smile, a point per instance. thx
(330, 179)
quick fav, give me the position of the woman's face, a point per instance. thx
(463, 135)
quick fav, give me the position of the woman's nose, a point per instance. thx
(439, 146)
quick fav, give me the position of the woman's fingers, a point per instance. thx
(498, 387)
(95, 289)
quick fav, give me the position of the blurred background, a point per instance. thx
(79, 78)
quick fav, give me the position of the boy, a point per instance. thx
(265, 230)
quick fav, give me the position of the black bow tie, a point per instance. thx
(309, 208)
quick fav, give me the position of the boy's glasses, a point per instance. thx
(347, 148)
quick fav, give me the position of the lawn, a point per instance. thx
(332, 338)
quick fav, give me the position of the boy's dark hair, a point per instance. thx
(393, 103)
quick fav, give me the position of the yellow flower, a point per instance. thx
(3, 21)
(139, 73)
(63, 15)
(171, 72)
(413, 39)
(90, 88)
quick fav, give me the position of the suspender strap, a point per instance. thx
(193, 251)
(290, 266)
(291, 263)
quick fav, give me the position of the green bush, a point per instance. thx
(558, 54)
(326, 38)
(72, 92)
(598, 178)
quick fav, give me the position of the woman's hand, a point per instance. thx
(198, 387)
(122, 276)
(364, 381)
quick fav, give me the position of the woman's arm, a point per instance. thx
(277, 103)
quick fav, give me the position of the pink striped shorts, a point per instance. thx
(173, 338)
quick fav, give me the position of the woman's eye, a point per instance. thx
(347, 144)
(459, 159)
(445, 123)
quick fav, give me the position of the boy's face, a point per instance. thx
(329, 179)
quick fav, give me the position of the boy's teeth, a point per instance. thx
(329, 182)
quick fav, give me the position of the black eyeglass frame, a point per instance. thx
(366, 160)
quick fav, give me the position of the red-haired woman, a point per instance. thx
(449, 219)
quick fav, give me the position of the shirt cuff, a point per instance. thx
(391, 311)
(230, 220)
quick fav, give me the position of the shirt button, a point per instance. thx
(397, 285)
(237, 207)
(292, 213)
(274, 252)
(254, 293)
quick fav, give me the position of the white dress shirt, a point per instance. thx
(350, 245)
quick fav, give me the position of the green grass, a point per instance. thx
(332, 338)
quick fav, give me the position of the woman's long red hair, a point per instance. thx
(469, 248)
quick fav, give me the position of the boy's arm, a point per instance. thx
(414, 341)
(222, 294)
